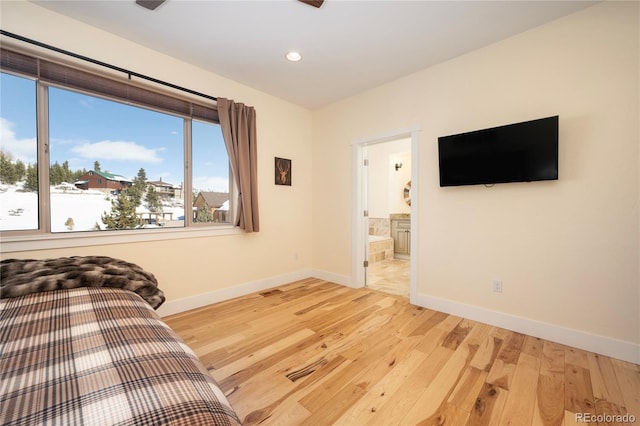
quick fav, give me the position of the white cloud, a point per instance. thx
(24, 150)
(86, 103)
(118, 150)
(56, 141)
(211, 183)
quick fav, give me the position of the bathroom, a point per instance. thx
(389, 219)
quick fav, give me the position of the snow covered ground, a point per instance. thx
(19, 210)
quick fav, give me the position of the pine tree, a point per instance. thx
(21, 170)
(8, 173)
(78, 174)
(142, 175)
(123, 213)
(153, 201)
(96, 166)
(139, 187)
(67, 175)
(55, 174)
(203, 215)
(31, 178)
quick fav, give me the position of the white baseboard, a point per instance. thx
(331, 277)
(171, 307)
(614, 348)
(620, 349)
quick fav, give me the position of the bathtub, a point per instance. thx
(380, 248)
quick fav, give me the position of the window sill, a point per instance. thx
(85, 239)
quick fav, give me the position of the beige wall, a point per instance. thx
(566, 250)
(190, 267)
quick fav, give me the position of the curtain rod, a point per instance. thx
(104, 64)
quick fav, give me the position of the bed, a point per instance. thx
(81, 344)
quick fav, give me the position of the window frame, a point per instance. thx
(43, 238)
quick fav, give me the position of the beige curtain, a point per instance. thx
(238, 124)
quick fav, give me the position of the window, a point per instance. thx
(210, 174)
(18, 154)
(111, 163)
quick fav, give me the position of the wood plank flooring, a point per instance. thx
(316, 353)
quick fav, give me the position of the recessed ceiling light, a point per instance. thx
(293, 56)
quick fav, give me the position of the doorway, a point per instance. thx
(385, 212)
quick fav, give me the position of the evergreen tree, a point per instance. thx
(203, 215)
(31, 178)
(142, 175)
(67, 175)
(77, 174)
(55, 174)
(153, 201)
(21, 170)
(96, 166)
(123, 213)
(139, 187)
(8, 173)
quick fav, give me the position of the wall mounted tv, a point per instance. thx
(520, 152)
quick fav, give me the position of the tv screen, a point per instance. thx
(520, 152)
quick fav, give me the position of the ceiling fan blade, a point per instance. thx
(150, 4)
(314, 3)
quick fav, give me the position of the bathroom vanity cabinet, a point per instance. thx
(401, 234)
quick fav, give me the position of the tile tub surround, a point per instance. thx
(380, 248)
(380, 226)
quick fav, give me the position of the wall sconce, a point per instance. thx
(398, 166)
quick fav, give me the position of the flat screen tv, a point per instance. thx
(520, 152)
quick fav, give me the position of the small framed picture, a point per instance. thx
(283, 171)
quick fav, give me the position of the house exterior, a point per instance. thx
(217, 202)
(164, 189)
(178, 192)
(95, 179)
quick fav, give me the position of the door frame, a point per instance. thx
(360, 232)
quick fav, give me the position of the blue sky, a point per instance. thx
(84, 129)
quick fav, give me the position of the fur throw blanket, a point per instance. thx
(24, 276)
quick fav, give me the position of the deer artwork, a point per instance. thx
(283, 172)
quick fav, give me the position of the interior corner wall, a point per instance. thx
(567, 251)
(192, 267)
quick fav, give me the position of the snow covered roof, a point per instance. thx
(160, 183)
(111, 176)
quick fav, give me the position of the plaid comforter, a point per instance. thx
(99, 356)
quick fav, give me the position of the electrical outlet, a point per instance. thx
(497, 286)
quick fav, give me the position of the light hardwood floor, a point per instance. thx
(312, 352)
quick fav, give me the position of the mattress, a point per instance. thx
(100, 356)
